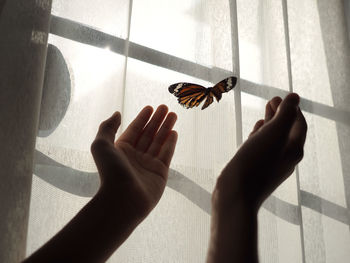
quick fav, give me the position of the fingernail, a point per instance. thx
(293, 98)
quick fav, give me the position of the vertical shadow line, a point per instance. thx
(290, 80)
(126, 53)
(236, 70)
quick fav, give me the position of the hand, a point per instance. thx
(263, 162)
(133, 172)
(267, 158)
(134, 169)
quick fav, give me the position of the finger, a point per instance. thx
(271, 108)
(257, 126)
(295, 146)
(151, 128)
(104, 141)
(275, 102)
(134, 130)
(109, 127)
(274, 134)
(162, 134)
(268, 112)
(168, 148)
(284, 118)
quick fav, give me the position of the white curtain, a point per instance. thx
(107, 55)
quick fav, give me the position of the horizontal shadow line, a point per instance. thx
(86, 184)
(85, 34)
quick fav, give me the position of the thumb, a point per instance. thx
(106, 132)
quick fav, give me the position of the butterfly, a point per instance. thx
(191, 95)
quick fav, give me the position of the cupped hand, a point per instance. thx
(134, 168)
(267, 158)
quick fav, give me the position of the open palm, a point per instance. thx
(134, 169)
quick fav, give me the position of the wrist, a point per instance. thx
(227, 209)
(231, 193)
(233, 234)
(118, 206)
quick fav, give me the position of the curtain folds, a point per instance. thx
(24, 28)
(126, 59)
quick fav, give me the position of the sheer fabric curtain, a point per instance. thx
(122, 55)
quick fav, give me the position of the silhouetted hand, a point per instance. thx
(133, 172)
(263, 162)
(269, 155)
(134, 169)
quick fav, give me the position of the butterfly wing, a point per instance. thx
(209, 99)
(189, 95)
(224, 86)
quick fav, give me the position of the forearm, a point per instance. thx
(233, 235)
(92, 235)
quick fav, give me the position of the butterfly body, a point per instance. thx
(191, 95)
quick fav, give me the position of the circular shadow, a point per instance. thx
(56, 92)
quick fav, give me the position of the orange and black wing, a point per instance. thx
(209, 100)
(189, 95)
(223, 86)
